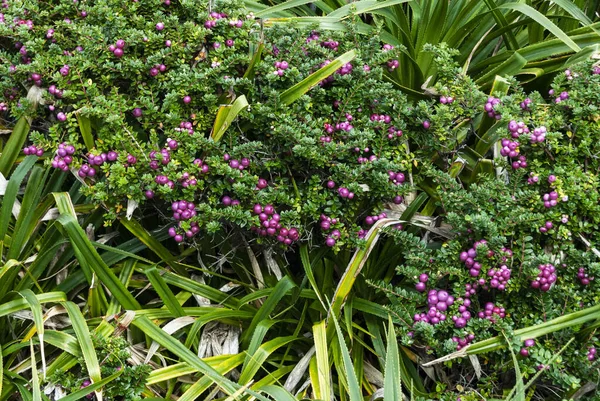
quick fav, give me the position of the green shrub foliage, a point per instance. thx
(125, 95)
(152, 101)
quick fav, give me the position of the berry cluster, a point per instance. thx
(156, 69)
(36, 78)
(570, 75)
(281, 67)
(396, 178)
(528, 344)
(438, 302)
(164, 157)
(314, 35)
(499, 277)
(228, 201)
(490, 107)
(117, 48)
(468, 257)
(584, 277)
(422, 284)
(526, 103)
(187, 180)
(164, 180)
(393, 64)
(185, 126)
(271, 226)
(591, 355)
(64, 156)
(363, 159)
(491, 312)
(193, 230)
(53, 90)
(237, 164)
(64, 70)
(546, 227)
(550, 199)
(532, 179)
(345, 193)
(545, 278)
(370, 220)
(511, 149)
(214, 17)
(463, 342)
(446, 99)
(330, 44)
(345, 69)
(183, 210)
(562, 96)
(538, 135)
(517, 128)
(34, 151)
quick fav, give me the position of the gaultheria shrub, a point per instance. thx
(524, 243)
(127, 96)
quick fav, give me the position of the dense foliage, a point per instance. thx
(225, 173)
(340, 149)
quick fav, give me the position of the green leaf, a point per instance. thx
(363, 7)
(323, 386)
(511, 66)
(1, 369)
(164, 292)
(305, 259)
(153, 244)
(278, 393)
(14, 145)
(38, 319)
(354, 267)
(279, 291)
(85, 341)
(295, 92)
(542, 20)
(281, 7)
(14, 183)
(20, 304)
(85, 125)
(88, 256)
(226, 115)
(205, 382)
(35, 379)
(353, 386)
(249, 74)
(392, 387)
(519, 386)
(261, 355)
(501, 21)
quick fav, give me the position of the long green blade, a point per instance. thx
(87, 254)
(164, 292)
(85, 340)
(14, 145)
(392, 387)
(542, 20)
(226, 115)
(295, 92)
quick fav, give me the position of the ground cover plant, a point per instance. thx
(288, 213)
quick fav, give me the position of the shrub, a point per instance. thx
(149, 87)
(521, 250)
